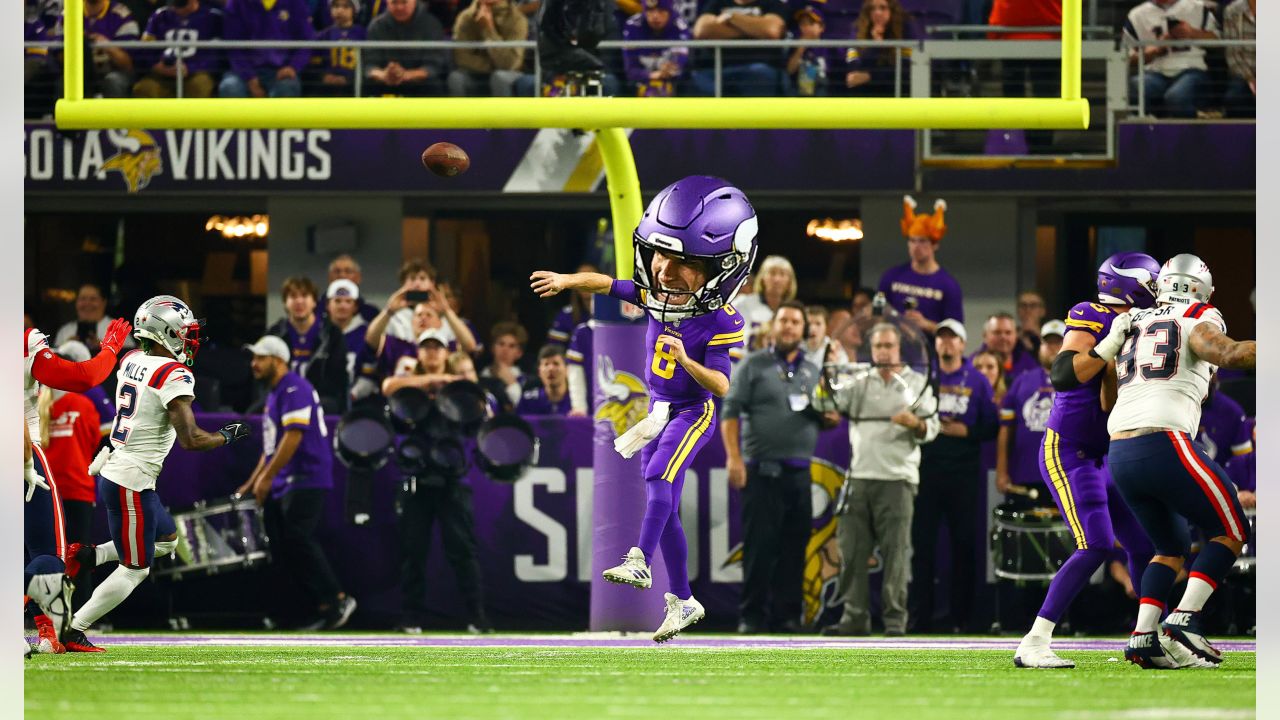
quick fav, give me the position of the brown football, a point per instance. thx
(446, 159)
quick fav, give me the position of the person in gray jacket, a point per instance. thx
(771, 390)
(879, 493)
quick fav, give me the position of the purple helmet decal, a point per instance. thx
(698, 218)
(1128, 278)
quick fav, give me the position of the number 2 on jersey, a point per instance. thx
(128, 406)
(664, 363)
(1165, 350)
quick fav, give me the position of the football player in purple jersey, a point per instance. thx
(694, 247)
(1073, 452)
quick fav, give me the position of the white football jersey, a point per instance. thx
(142, 436)
(1161, 380)
(36, 343)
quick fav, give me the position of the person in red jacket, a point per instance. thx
(44, 534)
(71, 442)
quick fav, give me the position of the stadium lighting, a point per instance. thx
(830, 230)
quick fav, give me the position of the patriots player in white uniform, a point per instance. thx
(1162, 374)
(43, 535)
(153, 408)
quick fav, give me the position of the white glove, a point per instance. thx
(99, 460)
(640, 434)
(1110, 345)
(32, 478)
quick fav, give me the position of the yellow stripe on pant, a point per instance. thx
(689, 440)
(1053, 462)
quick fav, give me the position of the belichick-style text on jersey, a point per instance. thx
(142, 435)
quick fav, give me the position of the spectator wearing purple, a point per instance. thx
(921, 289)
(341, 301)
(507, 341)
(581, 366)
(345, 267)
(574, 314)
(551, 396)
(1224, 430)
(810, 67)
(107, 21)
(987, 362)
(745, 72)
(181, 20)
(656, 72)
(869, 71)
(293, 478)
(1243, 470)
(394, 351)
(263, 72)
(951, 483)
(1000, 336)
(406, 71)
(338, 64)
(318, 351)
(430, 370)
(1023, 415)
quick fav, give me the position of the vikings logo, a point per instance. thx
(822, 553)
(626, 398)
(137, 158)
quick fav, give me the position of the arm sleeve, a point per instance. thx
(180, 382)
(1008, 410)
(625, 290)
(60, 374)
(718, 359)
(295, 408)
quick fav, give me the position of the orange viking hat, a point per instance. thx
(930, 226)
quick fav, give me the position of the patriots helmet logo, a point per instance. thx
(137, 158)
(626, 397)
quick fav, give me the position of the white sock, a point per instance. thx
(164, 548)
(109, 594)
(1148, 617)
(1042, 628)
(105, 553)
(1196, 595)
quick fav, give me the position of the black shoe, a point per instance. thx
(838, 630)
(750, 628)
(895, 632)
(75, 641)
(340, 613)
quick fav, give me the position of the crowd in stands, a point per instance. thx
(1176, 80)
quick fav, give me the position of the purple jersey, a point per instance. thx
(361, 361)
(706, 339)
(642, 61)
(937, 296)
(115, 22)
(535, 401)
(579, 355)
(340, 60)
(1025, 409)
(294, 405)
(562, 327)
(1224, 431)
(1243, 469)
(302, 346)
(169, 25)
(1077, 413)
(250, 20)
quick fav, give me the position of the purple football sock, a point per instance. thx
(1069, 581)
(657, 513)
(675, 555)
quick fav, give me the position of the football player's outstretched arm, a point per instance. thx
(1074, 363)
(1213, 345)
(62, 374)
(191, 437)
(546, 283)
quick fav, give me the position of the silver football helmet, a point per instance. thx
(166, 320)
(1184, 279)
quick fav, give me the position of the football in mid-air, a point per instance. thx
(446, 159)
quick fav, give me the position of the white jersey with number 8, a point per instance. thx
(1162, 381)
(142, 435)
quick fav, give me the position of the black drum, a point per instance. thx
(364, 440)
(217, 536)
(464, 404)
(1029, 543)
(410, 408)
(506, 447)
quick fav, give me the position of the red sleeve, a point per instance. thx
(60, 374)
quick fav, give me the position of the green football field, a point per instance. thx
(552, 677)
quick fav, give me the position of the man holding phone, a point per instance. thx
(1173, 77)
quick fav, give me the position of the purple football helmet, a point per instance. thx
(1128, 278)
(697, 218)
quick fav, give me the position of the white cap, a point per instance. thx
(342, 288)
(74, 350)
(436, 334)
(1053, 327)
(270, 346)
(954, 326)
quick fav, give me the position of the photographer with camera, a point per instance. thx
(293, 478)
(430, 494)
(877, 501)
